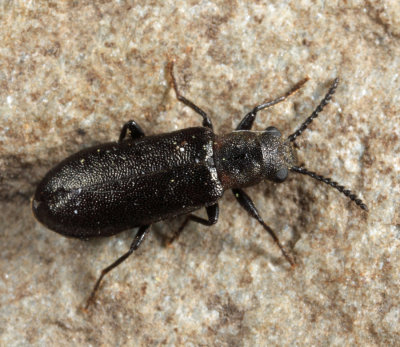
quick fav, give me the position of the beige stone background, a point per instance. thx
(72, 72)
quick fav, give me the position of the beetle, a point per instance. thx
(139, 180)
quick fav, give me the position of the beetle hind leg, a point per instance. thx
(141, 234)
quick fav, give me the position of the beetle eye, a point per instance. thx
(273, 131)
(281, 175)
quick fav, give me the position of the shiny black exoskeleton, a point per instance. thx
(103, 190)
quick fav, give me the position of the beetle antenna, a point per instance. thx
(333, 184)
(320, 107)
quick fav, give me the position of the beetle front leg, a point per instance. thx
(212, 214)
(245, 201)
(141, 234)
(247, 122)
(134, 129)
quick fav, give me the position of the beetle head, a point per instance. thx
(278, 155)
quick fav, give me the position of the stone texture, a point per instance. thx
(72, 73)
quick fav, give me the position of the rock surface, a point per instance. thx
(72, 73)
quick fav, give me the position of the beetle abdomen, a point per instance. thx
(116, 186)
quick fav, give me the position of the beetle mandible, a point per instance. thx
(139, 180)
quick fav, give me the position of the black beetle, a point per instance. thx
(105, 189)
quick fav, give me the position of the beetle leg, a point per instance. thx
(212, 214)
(206, 120)
(141, 234)
(135, 130)
(245, 201)
(247, 122)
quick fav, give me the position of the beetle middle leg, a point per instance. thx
(140, 235)
(206, 120)
(247, 122)
(134, 129)
(212, 214)
(245, 201)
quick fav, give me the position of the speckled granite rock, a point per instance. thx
(72, 73)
